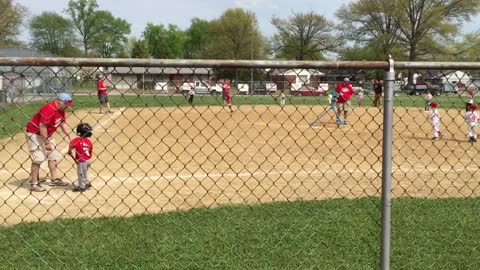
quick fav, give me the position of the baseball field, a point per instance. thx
(162, 159)
(260, 187)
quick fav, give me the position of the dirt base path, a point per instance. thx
(166, 159)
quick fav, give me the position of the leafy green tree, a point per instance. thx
(110, 35)
(305, 36)
(165, 42)
(50, 32)
(418, 27)
(370, 23)
(140, 49)
(468, 49)
(11, 18)
(423, 22)
(235, 35)
(83, 15)
(197, 36)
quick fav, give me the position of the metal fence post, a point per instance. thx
(389, 80)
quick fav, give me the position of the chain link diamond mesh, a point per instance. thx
(172, 144)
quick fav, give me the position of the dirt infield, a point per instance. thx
(167, 159)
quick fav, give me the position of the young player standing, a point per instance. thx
(102, 93)
(428, 100)
(435, 117)
(360, 96)
(282, 100)
(469, 100)
(226, 94)
(472, 119)
(83, 148)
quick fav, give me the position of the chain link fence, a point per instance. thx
(268, 175)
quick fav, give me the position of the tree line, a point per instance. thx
(366, 30)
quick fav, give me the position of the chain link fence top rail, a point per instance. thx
(175, 141)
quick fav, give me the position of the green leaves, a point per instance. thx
(11, 19)
(50, 32)
(305, 36)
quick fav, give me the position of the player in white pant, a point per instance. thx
(434, 115)
(472, 119)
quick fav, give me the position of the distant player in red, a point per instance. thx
(83, 148)
(226, 94)
(102, 93)
(344, 93)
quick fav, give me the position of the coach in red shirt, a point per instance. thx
(42, 146)
(344, 94)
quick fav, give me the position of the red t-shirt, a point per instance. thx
(101, 87)
(346, 91)
(49, 115)
(226, 87)
(83, 148)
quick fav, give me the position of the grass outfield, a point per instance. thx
(14, 118)
(333, 234)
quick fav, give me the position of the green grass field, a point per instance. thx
(334, 234)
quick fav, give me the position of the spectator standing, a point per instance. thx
(378, 90)
(11, 92)
(282, 100)
(191, 95)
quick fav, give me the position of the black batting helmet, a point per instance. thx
(84, 130)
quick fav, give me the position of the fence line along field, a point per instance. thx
(172, 158)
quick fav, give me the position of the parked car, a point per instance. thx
(307, 90)
(201, 87)
(264, 87)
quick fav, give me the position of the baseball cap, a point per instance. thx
(473, 106)
(346, 80)
(434, 104)
(65, 98)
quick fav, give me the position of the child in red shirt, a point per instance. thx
(83, 153)
(226, 94)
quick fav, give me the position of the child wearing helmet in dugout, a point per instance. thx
(435, 117)
(472, 119)
(83, 148)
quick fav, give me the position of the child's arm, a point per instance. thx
(70, 152)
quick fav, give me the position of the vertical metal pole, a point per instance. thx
(251, 58)
(387, 166)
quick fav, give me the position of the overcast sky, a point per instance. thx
(180, 12)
